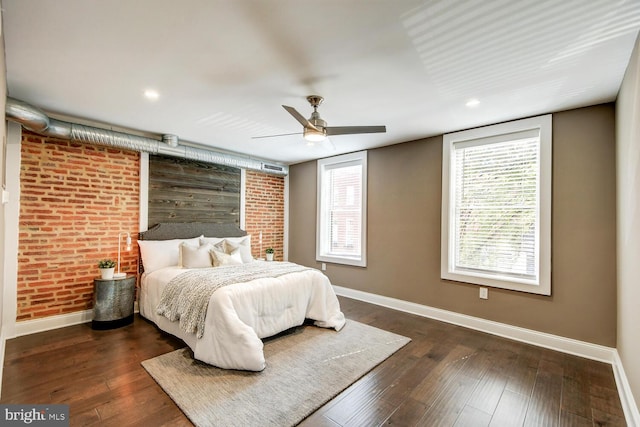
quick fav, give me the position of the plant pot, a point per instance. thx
(107, 273)
(269, 257)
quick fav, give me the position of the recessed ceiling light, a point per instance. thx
(473, 102)
(151, 94)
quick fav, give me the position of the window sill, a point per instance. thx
(529, 286)
(342, 260)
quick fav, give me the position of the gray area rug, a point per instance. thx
(305, 369)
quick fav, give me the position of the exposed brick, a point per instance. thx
(264, 212)
(76, 197)
(63, 231)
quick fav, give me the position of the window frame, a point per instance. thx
(490, 134)
(331, 163)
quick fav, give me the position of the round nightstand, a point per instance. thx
(113, 302)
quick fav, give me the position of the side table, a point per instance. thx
(113, 302)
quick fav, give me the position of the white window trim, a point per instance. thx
(447, 271)
(328, 163)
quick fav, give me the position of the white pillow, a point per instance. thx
(242, 244)
(221, 247)
(195, 256)
(221, 258)
(218, 243)
(212, 240)
(157, 254)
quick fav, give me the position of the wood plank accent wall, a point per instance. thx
(182, 190)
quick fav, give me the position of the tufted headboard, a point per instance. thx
(188, 230)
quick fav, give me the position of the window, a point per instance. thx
(342, 209)
(496, 206)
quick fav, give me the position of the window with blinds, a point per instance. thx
(342, 209)
(496, 205)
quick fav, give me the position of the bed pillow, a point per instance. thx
(218, 244)
(195, 256)
(221, 258)
(241, 244)
(212, 240)
(157, 254)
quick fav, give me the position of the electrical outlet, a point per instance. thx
(484, 293)
(5, 196)
(323, 267)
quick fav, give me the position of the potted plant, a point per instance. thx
(269, 252)
(106, 267)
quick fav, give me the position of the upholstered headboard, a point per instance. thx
(188, 230)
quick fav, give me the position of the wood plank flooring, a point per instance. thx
(447, 376)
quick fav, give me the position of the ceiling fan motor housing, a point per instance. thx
(311, 134)
(317, 121)
(314, 135)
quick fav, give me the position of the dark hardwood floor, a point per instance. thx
(447, 376)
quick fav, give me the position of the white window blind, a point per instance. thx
(341, 209)
(496, 207)
(344, 216)
(496, 214)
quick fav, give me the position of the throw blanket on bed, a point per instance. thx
(186, 297)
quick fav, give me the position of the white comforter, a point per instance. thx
(240, 315)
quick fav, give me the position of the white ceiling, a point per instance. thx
(223, 68)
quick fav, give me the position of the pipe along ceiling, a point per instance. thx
(36, 120)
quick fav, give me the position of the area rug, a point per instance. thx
(306, 367)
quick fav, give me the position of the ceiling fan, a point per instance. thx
(315, 129)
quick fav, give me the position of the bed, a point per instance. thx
(227, 332)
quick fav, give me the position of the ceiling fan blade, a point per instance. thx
(299, 117)
(273, 136)
(348, 130)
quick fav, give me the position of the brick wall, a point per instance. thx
(264, 204)
(75, 199)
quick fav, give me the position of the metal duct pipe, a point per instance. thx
(35, 120)
(92, 135)
(170, 140)
(29, 116)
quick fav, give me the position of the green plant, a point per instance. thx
(106, 263)
(269, 250)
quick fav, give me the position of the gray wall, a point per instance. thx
(628, 174)
(404, 233)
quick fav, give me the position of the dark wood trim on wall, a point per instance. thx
(182, 190)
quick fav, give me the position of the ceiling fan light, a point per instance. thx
(312, 135)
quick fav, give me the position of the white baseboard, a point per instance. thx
(540, 339)
(629, 406)
(52, 322)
